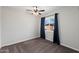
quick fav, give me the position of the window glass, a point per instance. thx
(49, 23)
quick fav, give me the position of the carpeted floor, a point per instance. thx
(37, 45)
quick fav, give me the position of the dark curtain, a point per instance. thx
(56, 31)
(42, 32)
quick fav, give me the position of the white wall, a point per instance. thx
(0, 27)
(68, 26)
(18, 26)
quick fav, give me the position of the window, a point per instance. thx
(49, 23)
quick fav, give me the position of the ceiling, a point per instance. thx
(46, 8)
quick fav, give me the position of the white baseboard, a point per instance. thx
(19, 41)
(69, 47)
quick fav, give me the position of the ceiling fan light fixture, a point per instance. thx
(35, 13)
(35, 8)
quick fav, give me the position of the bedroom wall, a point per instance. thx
(0, 27)
(18, 26)
(68, 26)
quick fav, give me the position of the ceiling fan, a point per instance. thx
(35, 11)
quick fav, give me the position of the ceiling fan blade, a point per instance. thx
(41, 10)
(39, 13)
